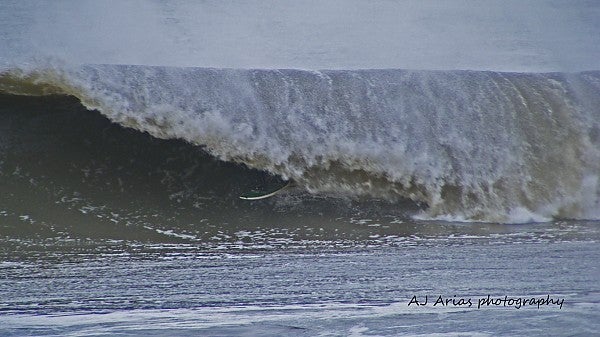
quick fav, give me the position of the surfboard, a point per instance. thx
(257, 195)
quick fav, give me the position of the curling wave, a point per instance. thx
(471, 145)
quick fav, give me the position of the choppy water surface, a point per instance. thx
(132, 288)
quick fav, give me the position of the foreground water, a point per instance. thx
(164, 290)
(107, 231)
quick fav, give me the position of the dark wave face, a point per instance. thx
(465, 145)
(71, 175)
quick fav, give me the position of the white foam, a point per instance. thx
(523, 215)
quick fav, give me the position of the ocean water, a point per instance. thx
(446, 152)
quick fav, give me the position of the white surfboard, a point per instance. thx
(257, 195)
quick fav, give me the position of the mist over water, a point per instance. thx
(529, 36)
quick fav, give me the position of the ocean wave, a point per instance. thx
(471, 145)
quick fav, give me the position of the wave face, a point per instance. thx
(471, 145)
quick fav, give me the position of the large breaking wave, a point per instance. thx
(471, 145)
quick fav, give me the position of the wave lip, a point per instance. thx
(471, 145)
